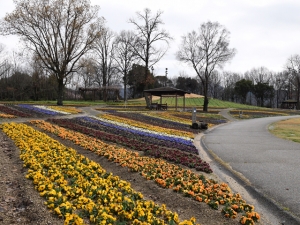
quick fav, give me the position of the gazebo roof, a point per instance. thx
(166, 91)
(290, 101)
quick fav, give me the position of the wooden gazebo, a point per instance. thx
(289, 104)
(165, 92)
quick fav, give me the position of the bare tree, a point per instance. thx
(293, 66)
(104, 50)
(125, 56)
(149, 35)
(87, 71)
(4, 65)
(259, 75)
(205, 52)
(229, 81)
(280, 83)
(59, 32)
(215, 85)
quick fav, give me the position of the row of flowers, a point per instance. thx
(143, 131)
(186, 117)
(139, 135)
(25, 110)
(168, 116)
(42, 110)
(76, 188)
(12, 111)
(147, 126)
(5, 115)
(133, 142)
(157, 120)
(65, 109)
(210, 118)
(165, 174)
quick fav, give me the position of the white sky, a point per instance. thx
(264, 32)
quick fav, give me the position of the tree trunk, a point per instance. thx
(60, 92)
(125, 93)
(104, 84)
(205, 104)
(298, 93)
(125, 89)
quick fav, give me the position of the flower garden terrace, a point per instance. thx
(131, 143)
(34, 111)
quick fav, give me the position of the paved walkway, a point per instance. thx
(266, 169)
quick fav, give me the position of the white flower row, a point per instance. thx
(50, 109)
(141, 129)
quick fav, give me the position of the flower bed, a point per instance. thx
(205, 117)
(156, 121)
(66, 109)
(4, 115)
(148, 126)
(186, 117)
(76, 188)
(141, 136)
(40, 110)
(165, 174)
(14, 112)
(127, 139)
(149, 133)
(168, 116)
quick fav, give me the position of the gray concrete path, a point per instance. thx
(226, 115)
(264, 167)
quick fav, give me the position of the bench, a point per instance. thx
(154, 106)
(162, 106)
(157, 106)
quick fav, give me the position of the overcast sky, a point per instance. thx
(264, 32)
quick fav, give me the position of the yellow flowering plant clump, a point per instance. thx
(147, 126)
(66, 109)
(4, 115)
(76, 188)
(165, 174)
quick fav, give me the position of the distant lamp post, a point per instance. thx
(166, 77)
(152, 69)
(278, 92)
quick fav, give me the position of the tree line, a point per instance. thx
(68, 46)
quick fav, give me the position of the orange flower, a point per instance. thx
(199, 199)
(235, 207)
(191, 193)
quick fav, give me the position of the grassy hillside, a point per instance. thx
(193, 103)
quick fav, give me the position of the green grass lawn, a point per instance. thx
(192, 103)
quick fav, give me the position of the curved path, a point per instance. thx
(264, 166)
